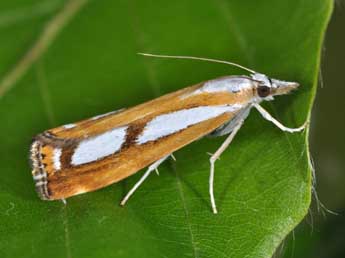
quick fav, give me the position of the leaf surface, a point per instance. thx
(263, 181)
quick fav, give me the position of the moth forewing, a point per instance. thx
(99, 151)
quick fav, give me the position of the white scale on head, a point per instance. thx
(170, 123)
(231, 84)
(99, 146)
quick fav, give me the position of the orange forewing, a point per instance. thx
(72, 180)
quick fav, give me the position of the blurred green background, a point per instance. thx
(318, 235)
(322, 234)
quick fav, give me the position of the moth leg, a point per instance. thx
(172, 156)
(152, 167)
(227, 128)
(270, 118)
(216, 156)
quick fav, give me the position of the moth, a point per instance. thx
(94, 153)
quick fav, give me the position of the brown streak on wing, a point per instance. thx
(133, 131)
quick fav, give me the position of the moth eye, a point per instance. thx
(263, 91)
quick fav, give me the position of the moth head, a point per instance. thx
(267, 88)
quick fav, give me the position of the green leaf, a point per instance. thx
(87, 65)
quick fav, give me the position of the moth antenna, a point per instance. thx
(201, 59)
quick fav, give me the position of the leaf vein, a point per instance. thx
(180, 190)
(45, 39)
